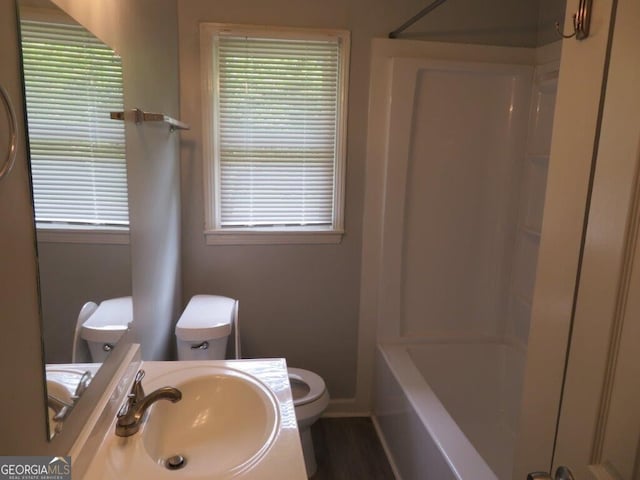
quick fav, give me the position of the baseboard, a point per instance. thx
(344, 407)
(385, 447)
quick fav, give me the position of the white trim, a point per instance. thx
(341, 132)
(83, 234)
(208, 173)
(210, 162)
(385, 447)
(45, 14)
(275, 237)
(344, 407)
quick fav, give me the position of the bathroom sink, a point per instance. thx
(235, 420)
(62, 382)
(225, 422)
(59, 390)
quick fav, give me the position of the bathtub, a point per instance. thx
(449, 410)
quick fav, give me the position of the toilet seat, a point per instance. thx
(311, 398)
(314, 381)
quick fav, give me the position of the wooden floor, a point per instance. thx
(349, 449)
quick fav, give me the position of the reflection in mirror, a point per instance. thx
(72, 81)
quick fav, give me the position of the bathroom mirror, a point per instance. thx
(72, 80)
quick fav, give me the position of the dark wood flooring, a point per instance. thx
(349, 449)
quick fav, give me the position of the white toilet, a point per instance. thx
(105, 325)
(204, 327)
(310, 399)
(202, 333)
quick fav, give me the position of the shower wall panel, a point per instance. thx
(534, 183)
(466, 145)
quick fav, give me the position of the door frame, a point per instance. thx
(596, 426)
(583, 70)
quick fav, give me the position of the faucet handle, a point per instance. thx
(137, 392)
(124, 410)
(139, 376)
(83, 384)
(134, 397)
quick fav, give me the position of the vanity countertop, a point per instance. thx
(128, 458)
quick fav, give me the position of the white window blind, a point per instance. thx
(276, 123)
(72, 82)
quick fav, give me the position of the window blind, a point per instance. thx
(72, 82)
(276, 114)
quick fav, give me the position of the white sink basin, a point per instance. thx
(224, 423)
(235, 420)
(62, 381)
(60, 391)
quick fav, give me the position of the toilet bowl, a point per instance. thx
(310, 399)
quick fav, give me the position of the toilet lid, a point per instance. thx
(109, 321)
(206, 318)
(306, 386)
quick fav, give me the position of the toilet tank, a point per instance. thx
(204, 328)
(104, 328)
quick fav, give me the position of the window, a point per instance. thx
(274, 134)
(72, 82)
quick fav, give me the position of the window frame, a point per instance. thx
(214, 233)
(69, 233)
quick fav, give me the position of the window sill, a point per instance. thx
(83, 234)
(267, 237)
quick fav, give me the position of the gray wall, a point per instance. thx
(72, 274)
(302, 302)
(550, 12)
(153, 170)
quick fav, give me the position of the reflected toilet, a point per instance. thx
(104, 326)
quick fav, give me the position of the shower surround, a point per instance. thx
(459, 148)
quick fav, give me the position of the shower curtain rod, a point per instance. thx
(429, 8)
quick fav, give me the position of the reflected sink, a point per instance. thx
(60, 391)
(62, 381)
(224, 424)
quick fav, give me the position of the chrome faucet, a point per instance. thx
(131, 414)
(83, 384)
(62, 408)
(60, 411)
(59, 406)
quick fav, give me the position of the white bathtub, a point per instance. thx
(449, 410)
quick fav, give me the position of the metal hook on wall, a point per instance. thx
(581, 22)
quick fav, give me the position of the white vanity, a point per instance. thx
(234, 419)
